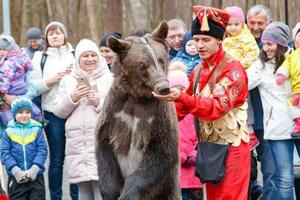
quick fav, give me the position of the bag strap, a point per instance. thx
(44, 58)
(43, 61)
(196, 80)
(197, 77)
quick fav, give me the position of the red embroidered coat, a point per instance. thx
(230, 90)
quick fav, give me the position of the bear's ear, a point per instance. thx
(118, 45)
(161, 32)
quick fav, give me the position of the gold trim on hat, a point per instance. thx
(204, 25)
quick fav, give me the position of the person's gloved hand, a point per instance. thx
(33, 172)
(19, 174)
(191, 161)
(296, 99)
(280, 79)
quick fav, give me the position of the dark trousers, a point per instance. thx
(297, 188)
(192, 194)
(55, 132)
(34, 190)
(267, 167)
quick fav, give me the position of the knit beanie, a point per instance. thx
(33, 33)
(102, 42)
(236, 13)
(19, 104)
(7, 42)
(85, 45)
(178, 78)
(295, 30)
(277, 32)
(59, 25)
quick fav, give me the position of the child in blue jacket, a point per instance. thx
(24, 152)
(188, 54)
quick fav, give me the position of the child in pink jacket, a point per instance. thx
(189, 183)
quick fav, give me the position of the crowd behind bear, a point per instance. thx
(235, 83)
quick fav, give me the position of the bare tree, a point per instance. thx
(91, 13)
(114, 16)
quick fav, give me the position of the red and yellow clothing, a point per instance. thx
(219, 105)
(230, 91)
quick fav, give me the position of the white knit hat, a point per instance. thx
(295, 30)
(86, 45)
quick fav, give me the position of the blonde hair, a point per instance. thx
(177, 65)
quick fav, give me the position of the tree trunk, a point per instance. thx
(49, 9)
(114, 16)
(24, 21)
(90, 8)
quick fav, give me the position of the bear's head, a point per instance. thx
(141, 62)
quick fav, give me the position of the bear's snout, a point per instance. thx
(164, 91)
(162, 87)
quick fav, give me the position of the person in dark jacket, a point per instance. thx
(24, 152)
(34, 41)
(177, 29)
(105, 51)
(258, 17)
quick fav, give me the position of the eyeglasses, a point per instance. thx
(173, 37)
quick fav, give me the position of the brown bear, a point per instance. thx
(137, 137)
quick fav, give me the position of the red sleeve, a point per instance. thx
(230, 90)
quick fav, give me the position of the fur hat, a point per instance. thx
(236, 13)
(102, 42)
(7, 42)
(86, 45)
(59, 25)
(19, 104)
(295, 30)
(33, 33)
(178, 78)
(209, 21)
(277, 32)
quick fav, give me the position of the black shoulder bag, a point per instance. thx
(211, 157)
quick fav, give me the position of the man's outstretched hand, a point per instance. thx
(172, 96)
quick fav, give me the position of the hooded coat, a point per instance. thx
(82, 116)
(189, 60)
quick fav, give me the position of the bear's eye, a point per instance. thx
(161, 61)
(142, 66)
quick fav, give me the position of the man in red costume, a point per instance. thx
(218, 102)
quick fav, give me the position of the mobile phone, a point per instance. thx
(69, 69)
(83, 81)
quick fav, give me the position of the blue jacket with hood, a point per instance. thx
(189, 61)
(24, 145)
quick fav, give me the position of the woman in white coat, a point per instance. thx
(50, 67)
(80, 99)
(278, 123)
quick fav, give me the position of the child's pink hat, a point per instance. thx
(178, 78)
(236, 13)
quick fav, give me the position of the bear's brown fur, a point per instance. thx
(137, 144)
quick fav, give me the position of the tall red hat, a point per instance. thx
(209, 21)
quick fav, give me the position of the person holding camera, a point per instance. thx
(24, 152)
(79, 101)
